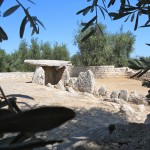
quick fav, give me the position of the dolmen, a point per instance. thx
(48, 71)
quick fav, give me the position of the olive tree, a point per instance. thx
(106, 49)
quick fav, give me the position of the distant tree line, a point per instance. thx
(36, 50)
(99, 49)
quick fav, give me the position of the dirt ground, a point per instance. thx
(47, 95)
(92, 114)
(122, 84)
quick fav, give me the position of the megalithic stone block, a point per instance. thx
(53, 70)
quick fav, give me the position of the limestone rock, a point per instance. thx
(115, 94)
(102, 91)
(118, 101)
(127, 110)
(141, 108)
(70, 89)
(123, 95)
(86, 82)
(114, 100)
(116, 106)
(96, 92)
(107, 95)
(73, 83)
(147, 121)
(88, 95)
(39, 76)
(66, 77)
(60, 85)
(50, 85)
(84, 145)
(58, 63)
(131, 114)
(137, 98)
(133, 96)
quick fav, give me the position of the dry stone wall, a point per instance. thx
(100, 71)
(15, 75)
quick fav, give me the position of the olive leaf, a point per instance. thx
(136, 22)
(3, 35)
(1, 2)
(88, 35)
(84, 11)
(89, 23)
(111, 3)
(10, 10)
(22, 26)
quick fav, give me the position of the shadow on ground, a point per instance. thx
(29, 82)
(91, 124)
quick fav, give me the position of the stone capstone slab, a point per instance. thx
(50, 63)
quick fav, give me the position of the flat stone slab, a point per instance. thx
(40, 63)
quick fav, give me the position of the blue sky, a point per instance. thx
(61, 22)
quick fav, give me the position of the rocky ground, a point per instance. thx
(90, 128)
(121, 84)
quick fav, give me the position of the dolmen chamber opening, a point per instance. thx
(53, 70)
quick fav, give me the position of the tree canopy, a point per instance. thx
(34, 50)
(106, 49)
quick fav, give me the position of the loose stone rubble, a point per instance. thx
(85, 82)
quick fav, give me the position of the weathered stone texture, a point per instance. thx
(100, 71)
(136, 98)
(66, 77)
(102, 91)
(15, 75)
(86, 82)
(52, 70)
(115, 94)
(60, 85)
(123, 95)
(50, 63)
(39, 76)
